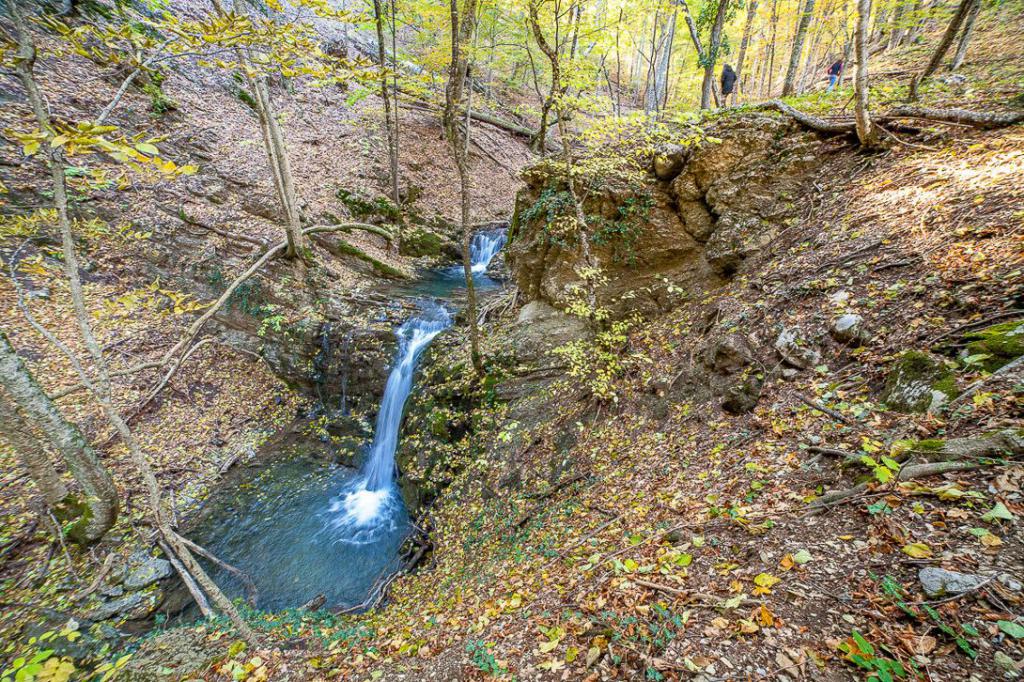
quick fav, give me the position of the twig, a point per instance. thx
(824, 410)
(252, 594)
(190, 583)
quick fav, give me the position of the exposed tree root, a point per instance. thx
(908, 473)
(978, 119)
(888, 120)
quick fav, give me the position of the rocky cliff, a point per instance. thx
(702, 211)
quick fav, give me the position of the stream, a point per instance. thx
(301, 527)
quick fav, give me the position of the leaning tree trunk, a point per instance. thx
(789, 85)
(712, 56)
(31, 452)
(701, 55)
(82, 461)
(386, 97)
(867, 131)
(965, 37)
(101, 388)
(744, 43)
(458, 75)
(275, 148)
(940, 52)
(582, 227)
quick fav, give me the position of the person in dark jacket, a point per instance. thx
(728, 83)
(835, 72)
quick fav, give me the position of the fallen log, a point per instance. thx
(978, 119)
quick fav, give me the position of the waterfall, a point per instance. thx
(484, 247)
(413, 338)
(371, 506)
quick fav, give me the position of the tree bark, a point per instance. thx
(582, 227)
(274, 146)
(82, 461)
(744, 44)
(458, 74)
(31, 453)
(867, 132)
(965, 36)
(386, 98)
(701, 56)
(940, 51)
(789, 85)
(712, 56)
(101, 388)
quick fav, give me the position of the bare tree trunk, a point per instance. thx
(744, 43)
(386, 97)
(101, 389)
(618, 68)
(867, 132)
(940, 52)
(458, 75)
(965, 37)
(664, 62)
(82, 461)
(712, 57)
(789, 85)
(898, 30)
(31, 453)
(276, 150)
(771, 49)
(582, 227)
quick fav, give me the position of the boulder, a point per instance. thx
(142, 570)
(669, 161)
(796, 351)
(938, 582)
(849, 328)
(743, 396)
(919, 382)
(133, 605)
(730, 355)
(1003, 343)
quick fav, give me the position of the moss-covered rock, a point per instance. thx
(919, 382)
(1003, 342)
(421, 242)
(364, 207)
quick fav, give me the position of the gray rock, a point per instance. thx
(849, 328)
(1007, 664)
(795, 350)
(129, 605)
(919, 382)
(938, 582)
(143, 570)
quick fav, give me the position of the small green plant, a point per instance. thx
(482, 658)
(862, 653)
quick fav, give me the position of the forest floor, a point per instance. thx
(678, 542)
(684, 548)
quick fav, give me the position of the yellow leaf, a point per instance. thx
(765, 617)
(918, 550)
(990, 540)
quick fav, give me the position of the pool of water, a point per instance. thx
(300, 527)
(277, 526)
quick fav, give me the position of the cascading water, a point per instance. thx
(484, 247)
(300, 527)
(372, 502)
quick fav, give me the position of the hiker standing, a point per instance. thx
(835, 72)
(728, 83)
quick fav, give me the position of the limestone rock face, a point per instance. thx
(703, 210)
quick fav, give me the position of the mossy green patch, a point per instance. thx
(419, 242)
(1003, 342)
(919, 382)
(365, 207)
